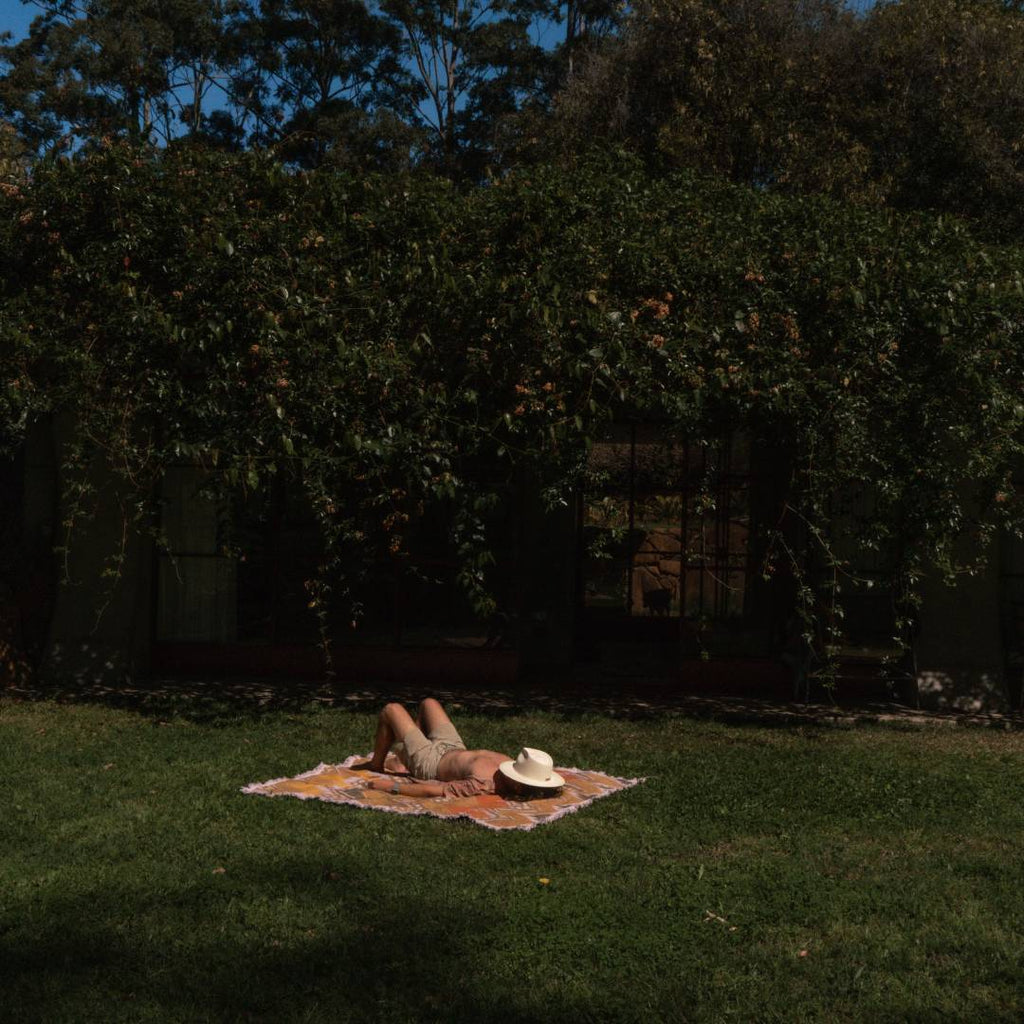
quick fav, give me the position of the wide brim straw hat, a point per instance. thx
(532, 768)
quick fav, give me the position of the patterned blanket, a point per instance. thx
(338, 784)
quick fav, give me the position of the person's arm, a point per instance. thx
(408, 787)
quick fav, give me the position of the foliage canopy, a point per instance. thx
(916, 104)
(378, 339)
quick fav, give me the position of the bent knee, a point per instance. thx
(389, 709)
(429, 702)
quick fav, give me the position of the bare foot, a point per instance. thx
(366, 766)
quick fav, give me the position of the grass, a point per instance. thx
(759, 874)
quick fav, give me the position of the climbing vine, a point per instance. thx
(376, 340)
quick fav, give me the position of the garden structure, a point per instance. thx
(571, 421)
(604, 586)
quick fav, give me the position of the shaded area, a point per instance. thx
(210, 950)
(227, 700)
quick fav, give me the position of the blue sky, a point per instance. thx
(15, 17)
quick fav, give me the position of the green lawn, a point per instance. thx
(789, 874)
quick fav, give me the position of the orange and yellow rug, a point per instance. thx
(338, 784)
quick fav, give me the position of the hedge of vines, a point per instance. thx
(375, 339)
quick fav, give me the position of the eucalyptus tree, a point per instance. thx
(344, 81)
(91, 68)
(312, 75)
(473, 63)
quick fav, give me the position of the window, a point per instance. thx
(196, 583)
(666, 526)
(206, 594)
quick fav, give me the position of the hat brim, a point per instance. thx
(508, 769)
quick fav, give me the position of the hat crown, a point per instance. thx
(533, 768)
(534, 764)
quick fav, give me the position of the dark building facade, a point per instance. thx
(655, 568)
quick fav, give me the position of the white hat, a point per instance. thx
(532, 768)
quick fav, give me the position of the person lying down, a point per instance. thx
(440, 765)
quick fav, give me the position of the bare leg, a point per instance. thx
(431, 716)
(394, 722)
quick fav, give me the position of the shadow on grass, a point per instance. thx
(218, 950)
(235, 701)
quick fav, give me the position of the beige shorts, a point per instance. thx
(421, 754)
